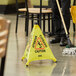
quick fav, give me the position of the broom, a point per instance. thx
(67, 35)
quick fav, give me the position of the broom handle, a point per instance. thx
(61, 17)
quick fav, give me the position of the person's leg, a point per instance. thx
(56, 22)
(56, 17)
(66, 14)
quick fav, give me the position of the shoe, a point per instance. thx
(50, 34)
(55, 40)
(63, 41)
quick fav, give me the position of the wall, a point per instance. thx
(9, 6)
(8, 2)
(34, 2)
(6, 5)
(37, 2)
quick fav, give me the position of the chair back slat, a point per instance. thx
(2, 52)
(19, 5)
(4, 32)
(26, 5)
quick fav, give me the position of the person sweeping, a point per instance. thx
(60, 35)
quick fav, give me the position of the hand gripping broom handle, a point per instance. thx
(62, 17)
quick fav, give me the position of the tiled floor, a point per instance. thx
(66, 65)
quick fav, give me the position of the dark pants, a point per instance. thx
(57, 23)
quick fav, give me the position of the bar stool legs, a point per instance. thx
(38, 19)
(32, 21)
(48, 22)
(27, 23)
(16, 23)
(44, 24)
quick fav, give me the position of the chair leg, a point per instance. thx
(48, 22)
(16, 23)
(38, 19)
(2, 66)
(44, 23)
(74, 27)
(32, 21)
(52, 33)
(27, 24)
(53, 28)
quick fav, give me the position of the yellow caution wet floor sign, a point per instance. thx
(37, 47)
(73, 13)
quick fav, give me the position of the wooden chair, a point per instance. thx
(36, 14)
(4, 32)
(21, 12)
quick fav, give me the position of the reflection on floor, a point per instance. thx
(16, 46)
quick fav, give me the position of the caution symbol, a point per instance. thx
(37, 47)
(39, 44)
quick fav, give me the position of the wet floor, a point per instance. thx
(65, 66)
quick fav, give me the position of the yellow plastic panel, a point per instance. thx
(73, 13)
(37, 47)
